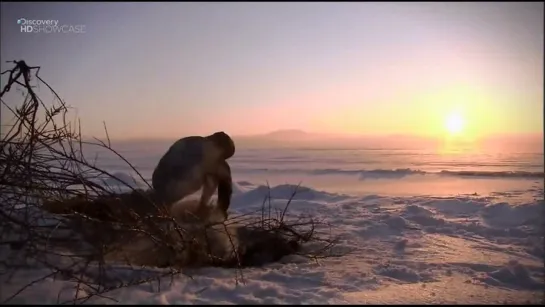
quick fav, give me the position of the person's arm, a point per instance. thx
(225, 187)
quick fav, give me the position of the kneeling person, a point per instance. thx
(196, 162)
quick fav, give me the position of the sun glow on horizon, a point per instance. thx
(455, 124)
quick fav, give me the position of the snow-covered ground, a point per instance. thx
(416, 249)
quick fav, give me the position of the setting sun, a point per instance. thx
(454, 123)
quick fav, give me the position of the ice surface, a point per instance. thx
(412, 228)
(401, 250)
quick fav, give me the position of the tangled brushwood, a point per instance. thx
(57, 214)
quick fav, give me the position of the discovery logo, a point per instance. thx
(48, 26)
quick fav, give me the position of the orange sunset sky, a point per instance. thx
(164, 70)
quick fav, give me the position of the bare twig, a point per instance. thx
(57, 211)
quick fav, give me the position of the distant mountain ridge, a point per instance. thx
(296, 138)
(301, 138)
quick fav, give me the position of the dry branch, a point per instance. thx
(56, 213)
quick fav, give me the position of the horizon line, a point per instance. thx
(324, 134)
